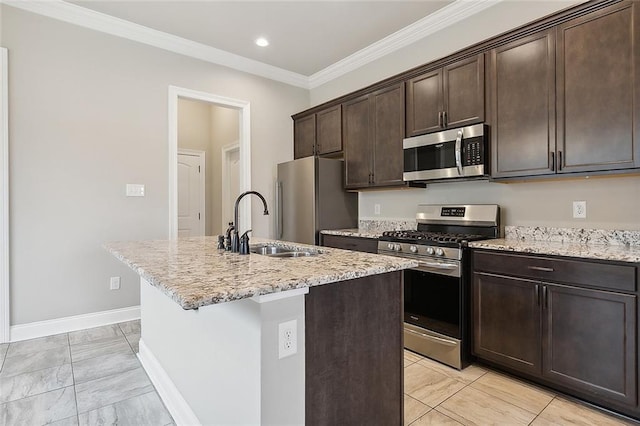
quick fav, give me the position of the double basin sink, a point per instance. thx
(273, 250)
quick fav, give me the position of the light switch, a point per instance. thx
(135, 190)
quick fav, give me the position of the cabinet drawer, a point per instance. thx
(368, 245)
(585, 273)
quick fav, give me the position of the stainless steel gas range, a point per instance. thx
(436, 293)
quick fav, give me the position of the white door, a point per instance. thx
(191, 219)
(230, 182)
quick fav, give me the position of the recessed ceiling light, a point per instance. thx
(262, 42)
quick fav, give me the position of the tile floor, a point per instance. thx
(86, 377)
(439, 395)
(93, 377)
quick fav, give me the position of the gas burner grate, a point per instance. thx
(426, 237)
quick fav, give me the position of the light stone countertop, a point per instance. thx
(353, 232)
(620, 253)
(194, 273)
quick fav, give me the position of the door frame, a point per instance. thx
(226, 150)
(4, 189)
(243, 107)
(203, 184)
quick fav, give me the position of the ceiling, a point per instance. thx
(305, 37)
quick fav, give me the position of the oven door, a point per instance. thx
(432, 301)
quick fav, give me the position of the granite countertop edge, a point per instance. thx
(619, 253)
(352, 232)
(213, 290)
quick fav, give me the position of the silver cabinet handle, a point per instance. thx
(540, 268)
(459, 152)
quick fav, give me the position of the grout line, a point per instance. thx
(545, 407)
(73, 377)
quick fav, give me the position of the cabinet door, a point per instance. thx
(329, 130)
(424, 103)
(463, 91)
(387, 119)
(522, 93)
(589, 341)
(506, 326)
(597, 91)
(355, 134)
(304, 136)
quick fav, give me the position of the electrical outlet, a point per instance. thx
(376, 209)
(579, 209)
(114, 283)
(287, 338)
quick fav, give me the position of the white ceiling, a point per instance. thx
(306, 36)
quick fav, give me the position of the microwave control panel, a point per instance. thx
(473, 152)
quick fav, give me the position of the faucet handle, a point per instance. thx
(244, 243)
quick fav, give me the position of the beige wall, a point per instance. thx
(224, 132)
(611, 202)
(88, 114)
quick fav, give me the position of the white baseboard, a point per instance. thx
(33, 330)
(178, 408)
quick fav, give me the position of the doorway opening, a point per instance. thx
(228, 121)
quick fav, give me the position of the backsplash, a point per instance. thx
(573, 235)
(379, 226)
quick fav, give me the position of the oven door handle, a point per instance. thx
(450, 269)
(459, 152)
(434, 338)
(437, 265)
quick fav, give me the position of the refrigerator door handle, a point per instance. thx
(279, 223)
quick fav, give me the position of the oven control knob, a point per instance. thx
(430, 250)
(439, 252)
(413, 249)
(398, 247)
(390, 246)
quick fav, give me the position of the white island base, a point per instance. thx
(223, 359)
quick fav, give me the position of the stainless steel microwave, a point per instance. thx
(450, 154)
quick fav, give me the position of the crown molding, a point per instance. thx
(445, 17)
(77, 15)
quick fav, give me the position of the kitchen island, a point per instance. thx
(212, 323)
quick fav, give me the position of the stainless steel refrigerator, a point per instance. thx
(310, 197)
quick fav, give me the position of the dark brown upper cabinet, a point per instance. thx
(522, 93)
(598, 97)
(451, 96)
(319, 133)
(373, 128)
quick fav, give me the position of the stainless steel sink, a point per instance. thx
(280, 251)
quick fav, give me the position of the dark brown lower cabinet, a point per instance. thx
(354, 352)
(577, 337)
(367, 245)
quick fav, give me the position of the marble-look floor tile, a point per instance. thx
(467, 376)
(412, 356)
(39, 409)
(70, 421)
(143, 410)
(413, 409)
(134, 341)
(520, 394)
(38, 345)
(473, 407)
(3, 351)
(103, 366)
(33, 383)
(435, 418)
(429, 386)
(36, 361)
(563, 412)
(106, 332)
(111, 389)
(84, 351)
(130, 327)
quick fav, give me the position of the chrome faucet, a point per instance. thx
(235, 242)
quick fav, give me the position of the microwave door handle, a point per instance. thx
(459, 152)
